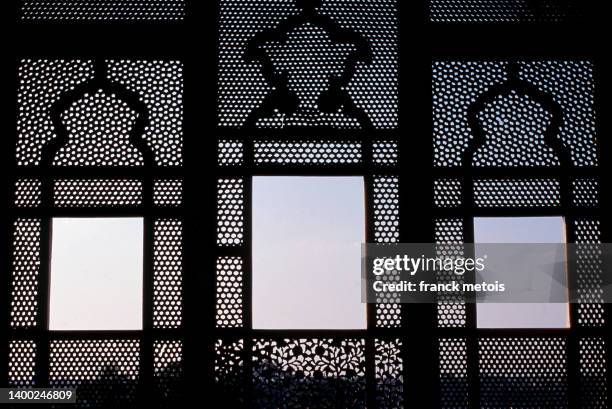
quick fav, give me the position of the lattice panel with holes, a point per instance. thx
(229, 371)
(513, 124)
(229, 292)
(102, 10)
(74, 193)
(90, 120)
(454, 382)
(105, 372)
(386, 230)
(26, 272)
(523, 372)
(452, 311)
(168, 369)
(593, 373)
(308, 91)
(230, 152)
(448, 193)
(28, 193)
(589, 271)
(526, 193)
(318, 373)
(230, 212)
(585, 192)
(168, 273)
(307, 152)
(22, 362)
(389, 373)
(168, 192)
(504, 11)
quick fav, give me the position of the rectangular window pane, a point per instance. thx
(547, 230)
(307, 235)
(96, 274)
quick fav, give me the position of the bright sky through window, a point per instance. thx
(307, 235)
(96, 274)
(547, 230)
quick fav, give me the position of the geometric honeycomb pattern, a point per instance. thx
(230, 153)
(454, 382)
(43, 82)
(385, 153)
(98, 128)
(517, 193)
(447, 193)
(242, 87)
(26, 270)
(585, 193)
(389, 378)
(309, 373)
(168, 192)
(312, 152)
(386, 230)
(102, 10)
(105, 372)
(97, 193)
(168, 369)
(22, 355)
(28, 192)
(523, 372)
(386, 209)
(589, 272)
(452, 311)
(229, 304)
(593, 380)
(168, 274)
(230, 207)
(457, 85)
(503, 11)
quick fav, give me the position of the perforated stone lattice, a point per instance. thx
(159, 84)
(389, 374)
(242, 87)
(523, 372)
(457, 85)
(447, 193)
(26, 270)
(298, 373)
(168, 192)
(98, 127)
(593, 387)
(451, 310)
(385, 153)
(229, 370)
(454, 382)
(97, 193)
(168, 368)
(307, 152)
(230, 153)
(386, 230)
(230, 208)
(28, 192)
(589, 272)
(22, 355)
(229, 303)
(168, 273)
(105, 372)
(585, 192)
(495, 193)
(507, 11)
(44, 82)
(103, 10)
